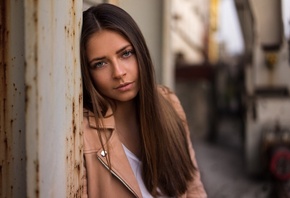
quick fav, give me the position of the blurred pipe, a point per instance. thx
(167, 53)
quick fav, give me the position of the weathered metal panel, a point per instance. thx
(12, 97)
(53, 102)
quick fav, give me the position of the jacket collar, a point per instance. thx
(118, 159)
(108, 122)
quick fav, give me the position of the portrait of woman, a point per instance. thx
(136, 138)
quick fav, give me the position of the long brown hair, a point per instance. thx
(166, 162)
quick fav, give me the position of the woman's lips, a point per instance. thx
(124, 86)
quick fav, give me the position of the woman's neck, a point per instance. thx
(127, 126)
(124, 109)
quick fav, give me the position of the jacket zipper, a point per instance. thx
(118, 177)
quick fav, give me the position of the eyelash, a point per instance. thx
(127, 53)
(98, 65)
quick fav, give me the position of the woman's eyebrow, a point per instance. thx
(122, 49)
(103, 57)
(96, 59)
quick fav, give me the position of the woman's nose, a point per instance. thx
(118, 70)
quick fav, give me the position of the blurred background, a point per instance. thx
(227, 60)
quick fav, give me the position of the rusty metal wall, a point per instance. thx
(54, 100)
(40, 99)
(12, 100)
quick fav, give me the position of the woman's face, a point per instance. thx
(113, 65)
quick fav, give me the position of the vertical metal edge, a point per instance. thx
(12, 126)
(31, 98)
(74, 143)
(3, 95)
(53, 98)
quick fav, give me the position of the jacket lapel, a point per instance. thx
(120, 164)
(115, 157)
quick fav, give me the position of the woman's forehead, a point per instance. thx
(106, 42)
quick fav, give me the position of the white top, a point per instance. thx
(136, 167)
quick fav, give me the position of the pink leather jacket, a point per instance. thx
(100, 181)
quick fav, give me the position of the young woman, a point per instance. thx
(136, 140)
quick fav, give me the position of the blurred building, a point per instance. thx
(40, 83)
(189, 26)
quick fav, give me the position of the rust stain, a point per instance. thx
(4, 145)
(74, 137)
(3, 58)
(36, 163)
(30, 89)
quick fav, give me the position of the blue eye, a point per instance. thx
(127, 53)
(98, 65)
